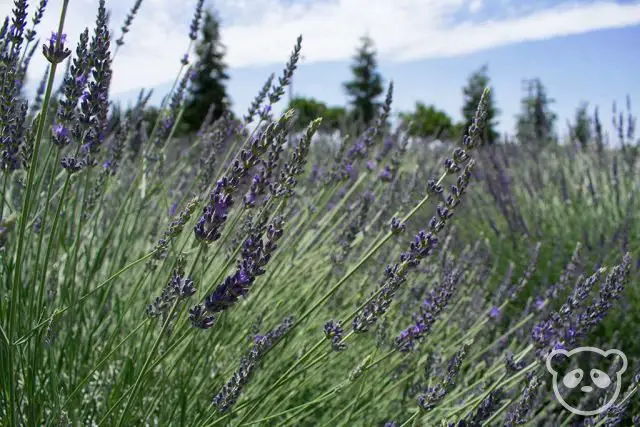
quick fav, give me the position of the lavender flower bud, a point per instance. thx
(128, 21)
(231, 391)
(333, 332)
(178, 288)
(397, 226)
(432, 395)
(195, 23)
(518, 415)
(199, 317)
(55, 51)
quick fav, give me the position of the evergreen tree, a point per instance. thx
(365, 88)
(208, 85)
(536, 122)
(472, 93)
(581, 128)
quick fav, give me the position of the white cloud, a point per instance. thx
(259, 32)
(475, 5)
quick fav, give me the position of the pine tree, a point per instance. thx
(365, 88)
(536, 122)
(478, 81)
(208, 85)
(581, 128)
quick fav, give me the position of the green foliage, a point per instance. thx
(536, 121)
(364, 90)
(208, 88)
(477, 82)
(309, 109)
(429, 122)
(581, 129)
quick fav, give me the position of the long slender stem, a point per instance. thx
(24, 218)
(106, 282)
(42, 232)
(136, 385)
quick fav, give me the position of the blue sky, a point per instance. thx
(583, 50)
(597, 67)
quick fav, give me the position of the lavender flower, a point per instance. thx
(55, 51)
(356, 224)
(215, 137)
(566, 276)
(10, 74)
(263, 180)
(128, 20)
(435, 302)
(30, 34)
(116, 151)
(214, 215)
(230, 392)
(573, 321)
(518, 414)
(397, 226)
(365, 143)
(199, 317)
(487, 408)
(195, 23)
(295, 165)
(394, 277)
(258, 100)
(13, 136)
(72, 88)
(94, 106)
(178, 288)
(511, 365)
(72, 165)
(494, 313)
(334, 333)
(256, 253)
(277, 91)
(386, 175)
(170, 116)
(432, 395)
(175, 228)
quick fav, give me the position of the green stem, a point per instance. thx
(41, 234)
(410, 420)
(99, 364)
(24, 218)
(317, 400)
(5, 182)
(58, 312)
(136, 385)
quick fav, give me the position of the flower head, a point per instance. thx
(55, 51)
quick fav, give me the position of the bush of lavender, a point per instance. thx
(247, 275)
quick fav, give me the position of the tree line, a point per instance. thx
(536, 121)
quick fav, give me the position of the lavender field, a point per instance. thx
(266, 271)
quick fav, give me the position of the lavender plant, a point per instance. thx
(399, 284)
